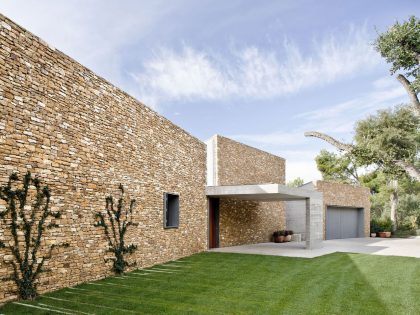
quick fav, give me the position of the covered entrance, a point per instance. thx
(268, 192)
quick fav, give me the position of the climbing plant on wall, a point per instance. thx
(115, 223)
(25, 219)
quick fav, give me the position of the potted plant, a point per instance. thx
(384, 227)
(288, 235)
(276, 237)
(282, 236)
(373, 228)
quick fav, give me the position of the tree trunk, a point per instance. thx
(339, 145)
(410, 169)
(411, 93)
(393, 198)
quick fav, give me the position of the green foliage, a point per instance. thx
(408, 215)
(339, 168)
(115, 228)
(282, 233)
(400, 46)
(388, 136)
(381, 225)
(30, 220)
(374, 228)
(297, 182)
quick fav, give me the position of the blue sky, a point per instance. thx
(260, 72)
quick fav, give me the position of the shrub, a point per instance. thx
(381, 225)
(374, 227)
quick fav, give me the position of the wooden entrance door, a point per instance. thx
(213, 222)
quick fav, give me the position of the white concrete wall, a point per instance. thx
(296, 217)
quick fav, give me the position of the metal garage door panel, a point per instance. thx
(333, 228)
(342, 223)
(349, 226)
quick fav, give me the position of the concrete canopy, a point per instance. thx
(261, 192)
(277, 192)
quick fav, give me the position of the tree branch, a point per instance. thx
(410, 169)
(411, 93)
(339, 145)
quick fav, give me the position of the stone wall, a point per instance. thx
(249, 222)
(83, 136)
(240, 164)
(342, 195)
(244, 222)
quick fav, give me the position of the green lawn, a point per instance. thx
(218, 283)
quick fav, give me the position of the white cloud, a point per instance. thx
(92, 32)
(340, 118)
(253, 72)
(276, 138)
(337, 120)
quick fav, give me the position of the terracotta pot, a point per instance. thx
(288, 238)
(281, 237)
(372, 234)
(384, 234)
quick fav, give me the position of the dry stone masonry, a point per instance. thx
(244, 222)
(83, 137)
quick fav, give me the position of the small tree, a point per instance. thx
(297, 182)
(115, 228)
(26, 223)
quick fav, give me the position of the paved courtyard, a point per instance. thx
(376, 246)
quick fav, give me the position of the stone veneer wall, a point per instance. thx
(342, 195)
(244, 222)
(240, 164)
(83, 136)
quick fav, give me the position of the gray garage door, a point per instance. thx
(343, 223)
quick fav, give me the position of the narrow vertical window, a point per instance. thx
(171, 211)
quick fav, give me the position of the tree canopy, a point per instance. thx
(390, 135)
(296, 182)
(335, 167)
(400, 46)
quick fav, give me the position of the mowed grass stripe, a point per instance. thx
(219, 283)
(175, 296)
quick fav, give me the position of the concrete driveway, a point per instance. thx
(375, 246)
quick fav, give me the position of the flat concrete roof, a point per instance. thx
(261, 192)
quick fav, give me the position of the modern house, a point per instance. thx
(83, 137)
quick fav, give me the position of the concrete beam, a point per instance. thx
(262, 192)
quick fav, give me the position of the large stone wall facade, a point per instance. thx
(234, 163)
(83, 136)
(343, 195)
